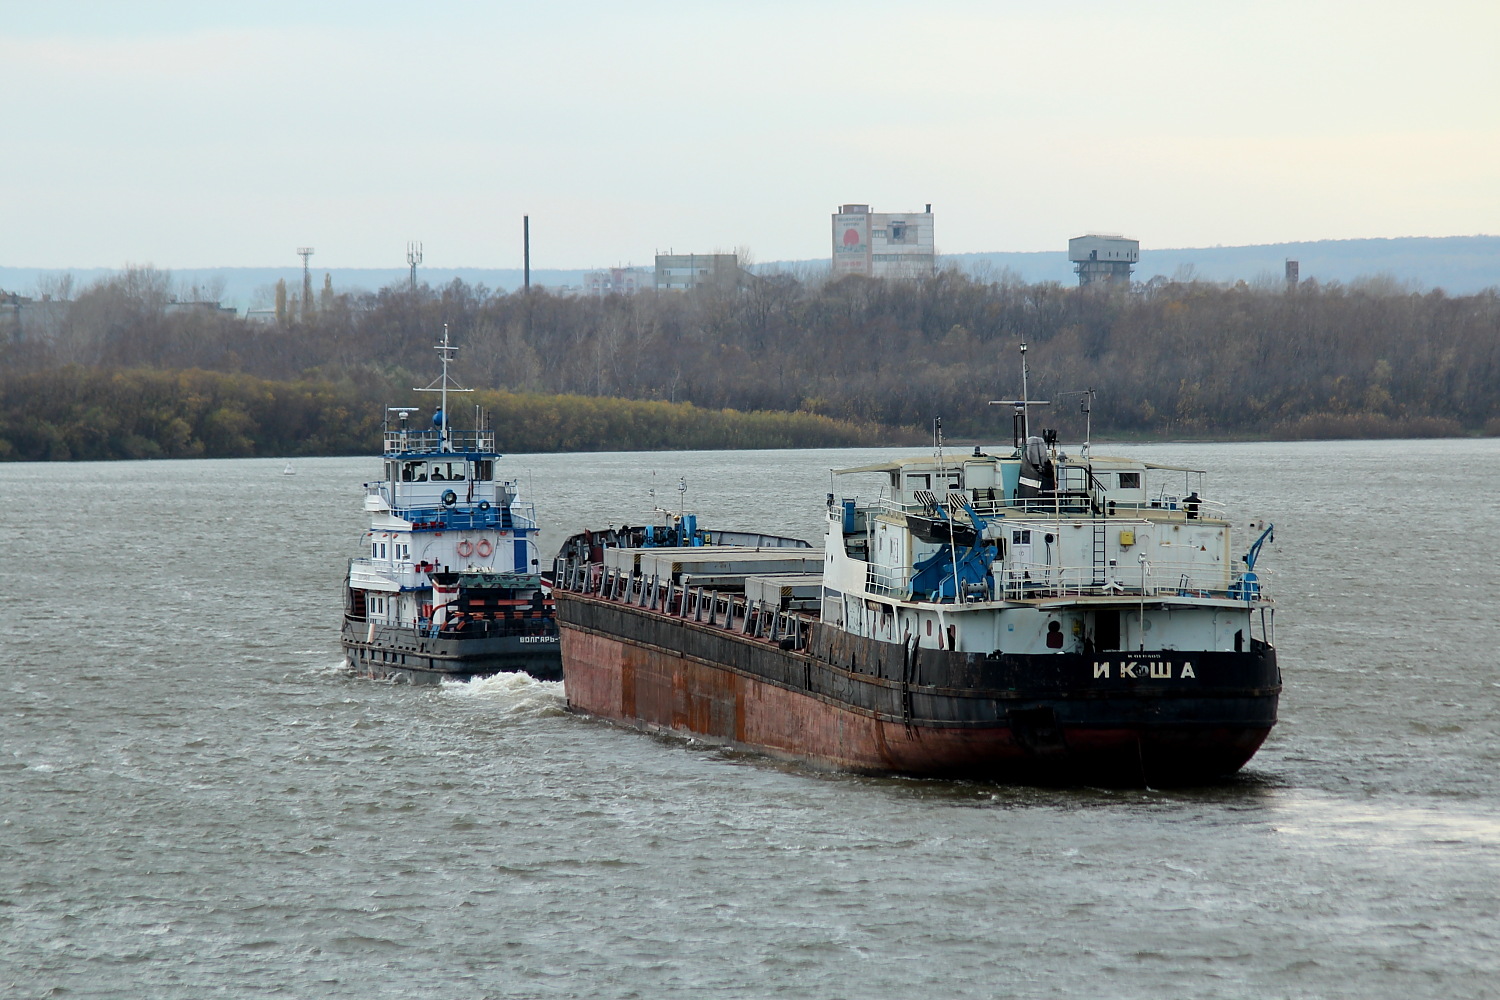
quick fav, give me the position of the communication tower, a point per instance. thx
(413, 258)
(305, 253)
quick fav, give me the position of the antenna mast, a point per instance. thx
(1087, 407)
(1021, 420)
(413, 258)
(443, 384)
(305, 253)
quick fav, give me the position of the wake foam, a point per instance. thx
(518, 696)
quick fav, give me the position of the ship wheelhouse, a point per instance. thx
(1113, 554)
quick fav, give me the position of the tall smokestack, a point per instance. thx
(526, 242)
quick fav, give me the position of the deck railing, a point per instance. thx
(729, 611)
(430, 442)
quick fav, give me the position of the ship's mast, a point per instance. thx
(1087, 406)
(443, 385)
(1022, 417)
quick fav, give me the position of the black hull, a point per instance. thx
(1145, 717)
(404, 655)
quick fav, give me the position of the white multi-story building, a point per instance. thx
(616, 281)
(680, 272)
(883, 244)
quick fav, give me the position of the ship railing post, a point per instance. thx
(655, 591)
(775, 635)
(698, 605)
(713, 607)
(745, 622)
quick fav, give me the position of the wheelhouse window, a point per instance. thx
(1130, 480)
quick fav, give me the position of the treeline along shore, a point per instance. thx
(121, 370)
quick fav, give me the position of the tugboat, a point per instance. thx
(1026, 616)
(451, 588)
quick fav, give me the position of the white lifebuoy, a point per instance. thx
(465, 548)
(484, 548)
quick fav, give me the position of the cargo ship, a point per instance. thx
(449, 585)
(1021, 616)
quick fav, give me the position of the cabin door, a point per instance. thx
(1024, 567)
(1106, 630)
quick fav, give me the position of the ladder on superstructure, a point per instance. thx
(1098, 506)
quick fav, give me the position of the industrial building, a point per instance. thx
(883, 244)
(681, 272)
(1103, 258)
(615, 281)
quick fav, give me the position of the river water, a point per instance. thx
(195, 802)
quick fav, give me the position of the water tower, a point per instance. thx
(1103, 258)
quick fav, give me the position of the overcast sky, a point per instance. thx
(194, 134)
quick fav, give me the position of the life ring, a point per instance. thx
(484, 548)
(484, 505)
(449, 498)
(465, 548)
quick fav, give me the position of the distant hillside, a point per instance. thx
(1461, 265)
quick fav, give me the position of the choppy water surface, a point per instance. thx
(195, 802)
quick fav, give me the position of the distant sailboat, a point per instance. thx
(289, 471)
